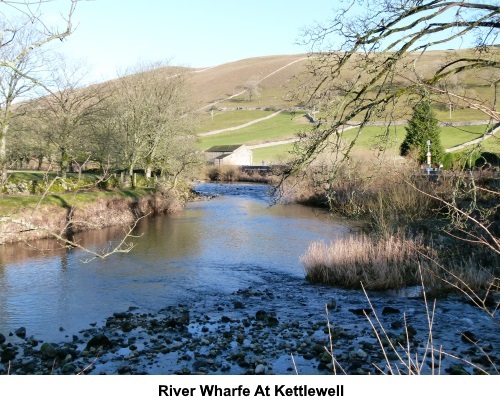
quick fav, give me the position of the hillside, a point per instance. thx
(237, 101)
(224, 85)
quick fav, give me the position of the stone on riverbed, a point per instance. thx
(8, 354)
(238, 305)
(178, 321)
(21, 333)
(260, 369)
(361, 311)
(268, 319)
(68, 368)
(2, 339)
(48, 350)
(390, 310)
(331, 304)
(469, 337)
(98, 341)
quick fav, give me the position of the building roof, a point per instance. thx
(223, 148)
(224, 155)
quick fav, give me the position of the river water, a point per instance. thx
(235, 247)
(213, 246)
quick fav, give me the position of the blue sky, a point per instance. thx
(113, 35)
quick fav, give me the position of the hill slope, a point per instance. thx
(236, 94)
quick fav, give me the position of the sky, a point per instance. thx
(112, 35)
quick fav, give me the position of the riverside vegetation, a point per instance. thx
(44, 205)
(406, 229)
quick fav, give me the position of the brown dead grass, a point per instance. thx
(392, 263)
(378, 265)
(220, 82)
(234, 173)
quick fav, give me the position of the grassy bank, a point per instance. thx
(11, 204)
(24, 218)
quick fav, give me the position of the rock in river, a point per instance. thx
(8, 354)
(21, 332)
(98, 341)
(48, 350)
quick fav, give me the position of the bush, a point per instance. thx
(458, 161)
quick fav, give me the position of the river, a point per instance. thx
(217, 245)
(236, 246)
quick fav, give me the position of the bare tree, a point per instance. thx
(178, 156)
(22, 33)
(152, 106)
(65, 116)
(252, 88)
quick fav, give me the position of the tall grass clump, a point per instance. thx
(392, 263)
(377, 264)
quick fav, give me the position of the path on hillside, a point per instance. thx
(474, 141)
(265, 145)
(284, 142)
(247, 124)
(260, 81)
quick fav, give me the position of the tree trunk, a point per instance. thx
(3, 152)
(40, 162)
(64, 163)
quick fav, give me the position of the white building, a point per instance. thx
(236, 155)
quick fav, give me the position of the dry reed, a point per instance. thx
(390, 263)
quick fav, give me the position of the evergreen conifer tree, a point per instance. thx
(423, 126)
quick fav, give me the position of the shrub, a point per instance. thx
(463, 160)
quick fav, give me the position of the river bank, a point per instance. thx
(30, 218)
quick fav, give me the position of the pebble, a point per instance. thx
(255, 339)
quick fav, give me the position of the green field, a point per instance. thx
(453, 136)
(272, 154)
(228, 119)
(283, 126)
(373, 137)
(491, 144)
